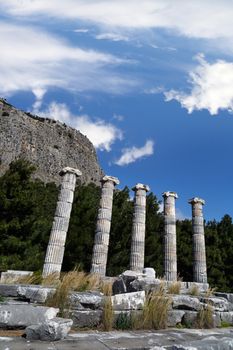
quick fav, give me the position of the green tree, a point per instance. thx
(26, 212)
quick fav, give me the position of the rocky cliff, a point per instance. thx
(49, 144)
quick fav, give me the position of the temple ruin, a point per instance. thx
(56, 245)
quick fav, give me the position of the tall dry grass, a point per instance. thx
(108, 312)
(155, 311)
(72, 281)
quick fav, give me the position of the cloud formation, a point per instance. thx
(211, 87)
(131, 155)
(34, 60)
(207, 19)
(100, 133)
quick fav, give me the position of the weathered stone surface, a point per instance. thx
(91, 300)
(54, 329)
(12, 276)
(169, 339)
(169, 239)
(174, 317)
(128, 301)
(199, 251)
(228, 296)
(49, 144)
(56, 245)
(185, 302)
(21, 316)
(138, 228)
(35, 294)
(189, 318)
(226, 317)
(103, 225)
(123, 283)
(219, 304)
(8, 290)
(202, 287)
(149, 272)
(145, 283)
(86, 318)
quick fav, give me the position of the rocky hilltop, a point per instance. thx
(49, 144)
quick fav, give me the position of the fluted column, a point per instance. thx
(199, 253)
(139, 228)
(169, 241)
(100, 249)
(56, 246)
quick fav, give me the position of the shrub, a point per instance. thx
(124, 321)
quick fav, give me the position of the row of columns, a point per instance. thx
(56, 246)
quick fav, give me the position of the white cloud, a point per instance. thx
(130, 155)
(81, 30)
(100, 133)
(33, 60)
(200, 19)
(112, 37)
(211, 87)
(118, 117)
(154, 90)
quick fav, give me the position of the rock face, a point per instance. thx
(49, 144)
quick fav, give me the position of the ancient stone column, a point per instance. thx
(139, 228)
(56, 246)
(100, 249)
(169, 240)
(199, 254)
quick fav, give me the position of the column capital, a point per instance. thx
(141, 187)
(113, 179)
(70, 170)
(170, 194)
(195, 200)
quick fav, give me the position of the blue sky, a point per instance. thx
(149, 82)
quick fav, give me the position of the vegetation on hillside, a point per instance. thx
(26, 213)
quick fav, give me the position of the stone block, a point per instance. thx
(185, 302)
(35, 294)
(228, 296)
(86, 318)
(128, 301)
(219, 304)
(13, 276)
(91, 300)
(174, 317)
(54, 329)
(21, 316)
(226, 317)
(202, 287)
(8, 290)
(149, 272)
(189, 319)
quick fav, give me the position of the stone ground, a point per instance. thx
(172, 339)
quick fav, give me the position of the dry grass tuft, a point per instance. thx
(194, 290)
(106, 288)
(205, 317)
(108, 312)
(210, 292)
(72, 281)
(174, 288)
(35, 278)
(51, 280)
(155, 310)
